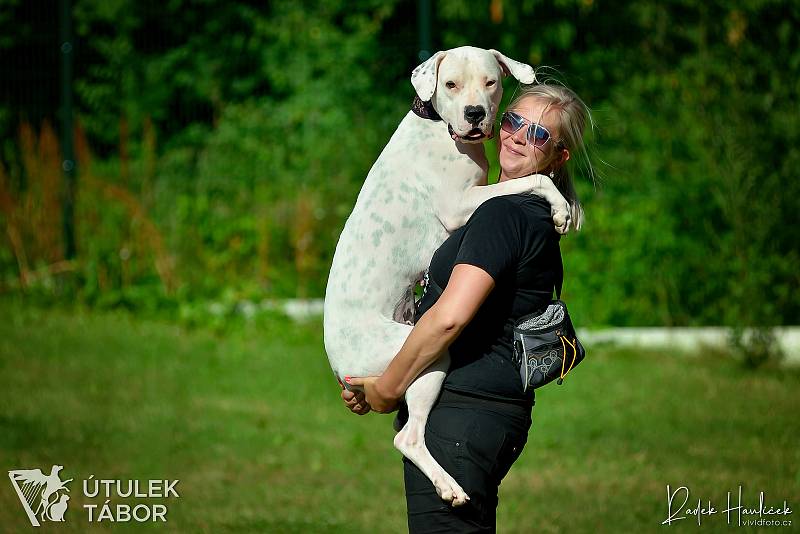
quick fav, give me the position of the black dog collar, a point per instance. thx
(424, 109)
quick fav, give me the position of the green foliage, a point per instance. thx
(226, 143)
(709, 165)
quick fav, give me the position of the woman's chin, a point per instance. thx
(511, 170)
(512, 162)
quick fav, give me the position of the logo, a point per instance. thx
(44, 497)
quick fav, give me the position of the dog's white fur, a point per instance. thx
(423, 186)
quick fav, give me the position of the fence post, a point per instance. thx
(67, 145)
(424, 29)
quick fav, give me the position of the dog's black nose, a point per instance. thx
(474, 114)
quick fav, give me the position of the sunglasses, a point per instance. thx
(537, 135)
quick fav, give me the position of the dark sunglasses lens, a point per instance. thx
(508, 124)
(540, 135)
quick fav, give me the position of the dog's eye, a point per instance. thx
(490, 83)
(450, 85)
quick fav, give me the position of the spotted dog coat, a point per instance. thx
(428, 180)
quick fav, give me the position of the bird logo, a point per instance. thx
(44, 497)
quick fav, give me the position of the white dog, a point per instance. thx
(428, 180)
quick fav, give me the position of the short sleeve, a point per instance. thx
(493, 237)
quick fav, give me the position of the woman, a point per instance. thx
(501, 265)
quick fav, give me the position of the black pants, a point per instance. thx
(475, 440)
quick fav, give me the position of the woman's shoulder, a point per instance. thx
(529, 207)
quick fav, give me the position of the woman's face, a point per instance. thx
(518, 157)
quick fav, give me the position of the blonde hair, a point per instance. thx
(573, 116)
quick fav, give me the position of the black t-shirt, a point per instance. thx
(513, 239)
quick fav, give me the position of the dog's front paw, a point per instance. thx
(460, 498)
(562, 217)
(451, 492)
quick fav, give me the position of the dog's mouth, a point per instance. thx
(476, 134)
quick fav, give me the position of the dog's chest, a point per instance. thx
(422, 161)
(396, 224)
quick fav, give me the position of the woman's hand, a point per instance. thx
(466, 290)
(355, 401)
(377, 399)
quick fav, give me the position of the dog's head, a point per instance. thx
(464, 86)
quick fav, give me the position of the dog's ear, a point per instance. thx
(423, 78)
(521, 71)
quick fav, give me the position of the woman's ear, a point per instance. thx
(564, 156)
(560, 159)
(424, 77)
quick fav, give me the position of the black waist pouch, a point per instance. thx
(546, 346)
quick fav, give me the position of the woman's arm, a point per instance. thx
(466, 290)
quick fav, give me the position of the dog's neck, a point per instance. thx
(424, 109)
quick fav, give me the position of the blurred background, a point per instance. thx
(189, 164)
(219, 147)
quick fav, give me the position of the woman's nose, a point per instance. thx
(520, 137)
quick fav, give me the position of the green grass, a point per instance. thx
(252, 425)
